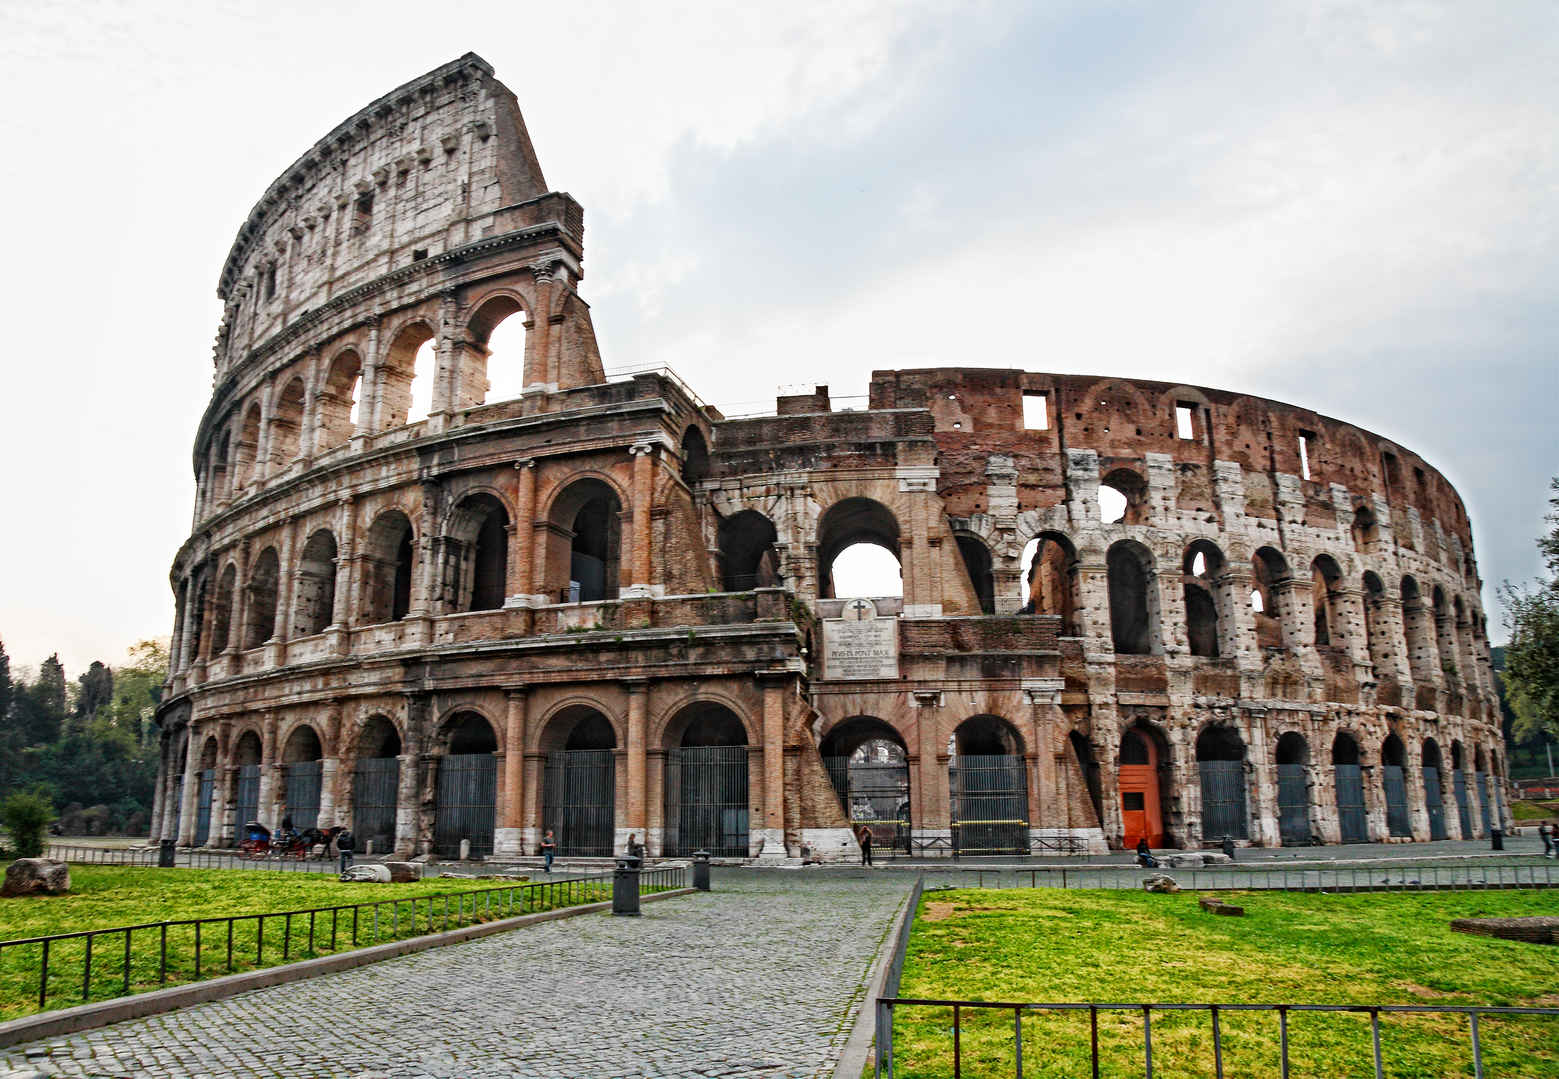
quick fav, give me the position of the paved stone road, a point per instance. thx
(756, 978)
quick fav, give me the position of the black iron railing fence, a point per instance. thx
(1472, 876)
(100, 964)
(191, 859)
(887, 1007)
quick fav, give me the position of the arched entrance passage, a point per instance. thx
(584, 543)
(1049, 564)
(1220, 764)
(748, 558)
(301, 758)
(1459, 788)
(207, 790)
(1434, 795)
(1480, 778)
(246, 801)
(1395, 784)
(989, 787)
(467, 786)
(706, 782)
(1293, 754)
(1142, 757)
(579, 786)
(851, 528)
(869, 766)
(376, 777)
(476, 557)
(1352, 818)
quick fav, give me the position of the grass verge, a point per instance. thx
(1082, 946)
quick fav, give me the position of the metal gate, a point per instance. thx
(303, 794)
(1223, 800)
(374, 788)
(706, 800)
(1293, 805)
(1463, 811)
(467, 799)
(1481, 779)
(578, 801)
(990, 804)
(1396, 800)
(1432, 801)
(246, 804)
(1353, 820)
(208, 782)
(178, 806)
(875, 794)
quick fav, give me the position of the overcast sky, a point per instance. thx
(1348, 206)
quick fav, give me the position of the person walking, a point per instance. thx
(865, 838)
(1545, 832)
(346, 847)
(549, 848)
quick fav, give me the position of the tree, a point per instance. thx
(96, 692)
(1532, 656)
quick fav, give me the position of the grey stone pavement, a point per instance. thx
(757, 978)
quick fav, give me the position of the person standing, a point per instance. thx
(865, 838)
(346, 847)
(549, 848)
(1545, 832)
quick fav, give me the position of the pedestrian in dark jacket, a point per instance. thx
(346, 847)
(1228, 846)
(1145, 854)
(865, 838)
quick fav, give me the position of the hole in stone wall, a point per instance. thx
(1035, 412)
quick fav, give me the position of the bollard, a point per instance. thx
(1496, 839)
(701, 870)
(368, 849)
(625, 887)
(165, 854)
(465, 850)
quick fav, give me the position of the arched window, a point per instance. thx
(245, 469)
(977, 560)
(315, 602)
(494, 369)
(476, 555)
(220, 467)
(406, 377)
(1445, 633)
(1133, 599)
(1123, 498)
(584, 544)
(389, 557)
(1374, 625)
(748, 558)
(1201, 569)
(1270, 574)
(340, 401)
(286, 425)
(695, 457)
(1326, 596)
(858, 550)
(260, 625)
(1049, 564)
(222, 614)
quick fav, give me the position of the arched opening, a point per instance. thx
(579, 786)
(1201, 569)
(287, 425)
(339, 401)
(1434, 797)
(260, 609)
(1049, 564)
(1269, 571)
(388, 560)
(858, 551)
(495, 367)
(1123, 498)
(1445, 633)
(1133, 598)
(869, 767)
(1220, 764)
(1394, 781)
(748, 558)
(1348, 776)
(584, 543)
(1480, 778)
(706, 782)
(1374, 624)
(1144, 788)
(1422, 653)
(406, 377)
(246, 800)
(1459, 789)
(977, 561)
(1365, 530)
(467, 795)
(1293, 757)
(476, 555)
(988, 781)
(1088, 769)
(376, 777)
(695, 457)
(245, 454)
(197, 613)
(221, 467)
(222, 614)
(301, 760)
(1326, 599)
(206, 791)
(316, 587)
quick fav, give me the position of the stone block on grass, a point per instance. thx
(36, 876)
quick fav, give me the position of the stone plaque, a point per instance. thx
(860, 645)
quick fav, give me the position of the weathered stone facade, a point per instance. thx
(441, 628)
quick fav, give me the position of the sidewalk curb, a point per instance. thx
(858, 1046)
(89, 1016)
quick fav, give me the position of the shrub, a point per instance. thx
(26, 816)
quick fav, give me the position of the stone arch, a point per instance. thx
(849, 523)
(1144, 774)
(1418, 627)
(1433, 767)
(375, 778)
(315, 589)
(1365, 529)
(695, 456)
(260, 608)
(867, 761)
(476, 553)
(1327, 604)
(399, 370)
(301, 756)
(1130, 493)
(1292, 754)
(287, 424)
(246, 453)
(1049, 567)
(1393, 760)
(977, 562)
(988, 786)
(1270, 579)
(465, 798)
(1087, 764)
(708, 783)
(1202, 569)
(497, 329)
(389, 559)
(248, 757)
(749, 557)
(579, 780)
(340, 399)
(1134, 616)
(222, 614)
(584, 540)
(1220, 765)
(1445, 632)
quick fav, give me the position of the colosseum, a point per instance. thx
(443, 613)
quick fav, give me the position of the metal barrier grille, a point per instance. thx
(1352, 817)
(246, 805)
(1459, 786)
(467, 800)
(374, 783)
(1223, 799)
(303, 781)
(1395, 782)
(706, 800)
(208, 779)
(1433, 800)
(990, 804)
(876, 795)
(1293, 804)
(1481, 779)
(579, 797)
(178, 803)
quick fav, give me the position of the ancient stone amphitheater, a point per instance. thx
(600, 606)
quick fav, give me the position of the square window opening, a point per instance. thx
(1036, 413)
(1185, 421)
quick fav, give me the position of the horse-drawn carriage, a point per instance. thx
(260, 842)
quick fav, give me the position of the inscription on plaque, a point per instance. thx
(860, 645)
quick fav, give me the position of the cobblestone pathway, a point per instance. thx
(753, 979)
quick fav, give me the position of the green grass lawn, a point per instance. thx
(1127, 947)
(103, 897)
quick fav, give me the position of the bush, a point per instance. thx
(26, 816)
